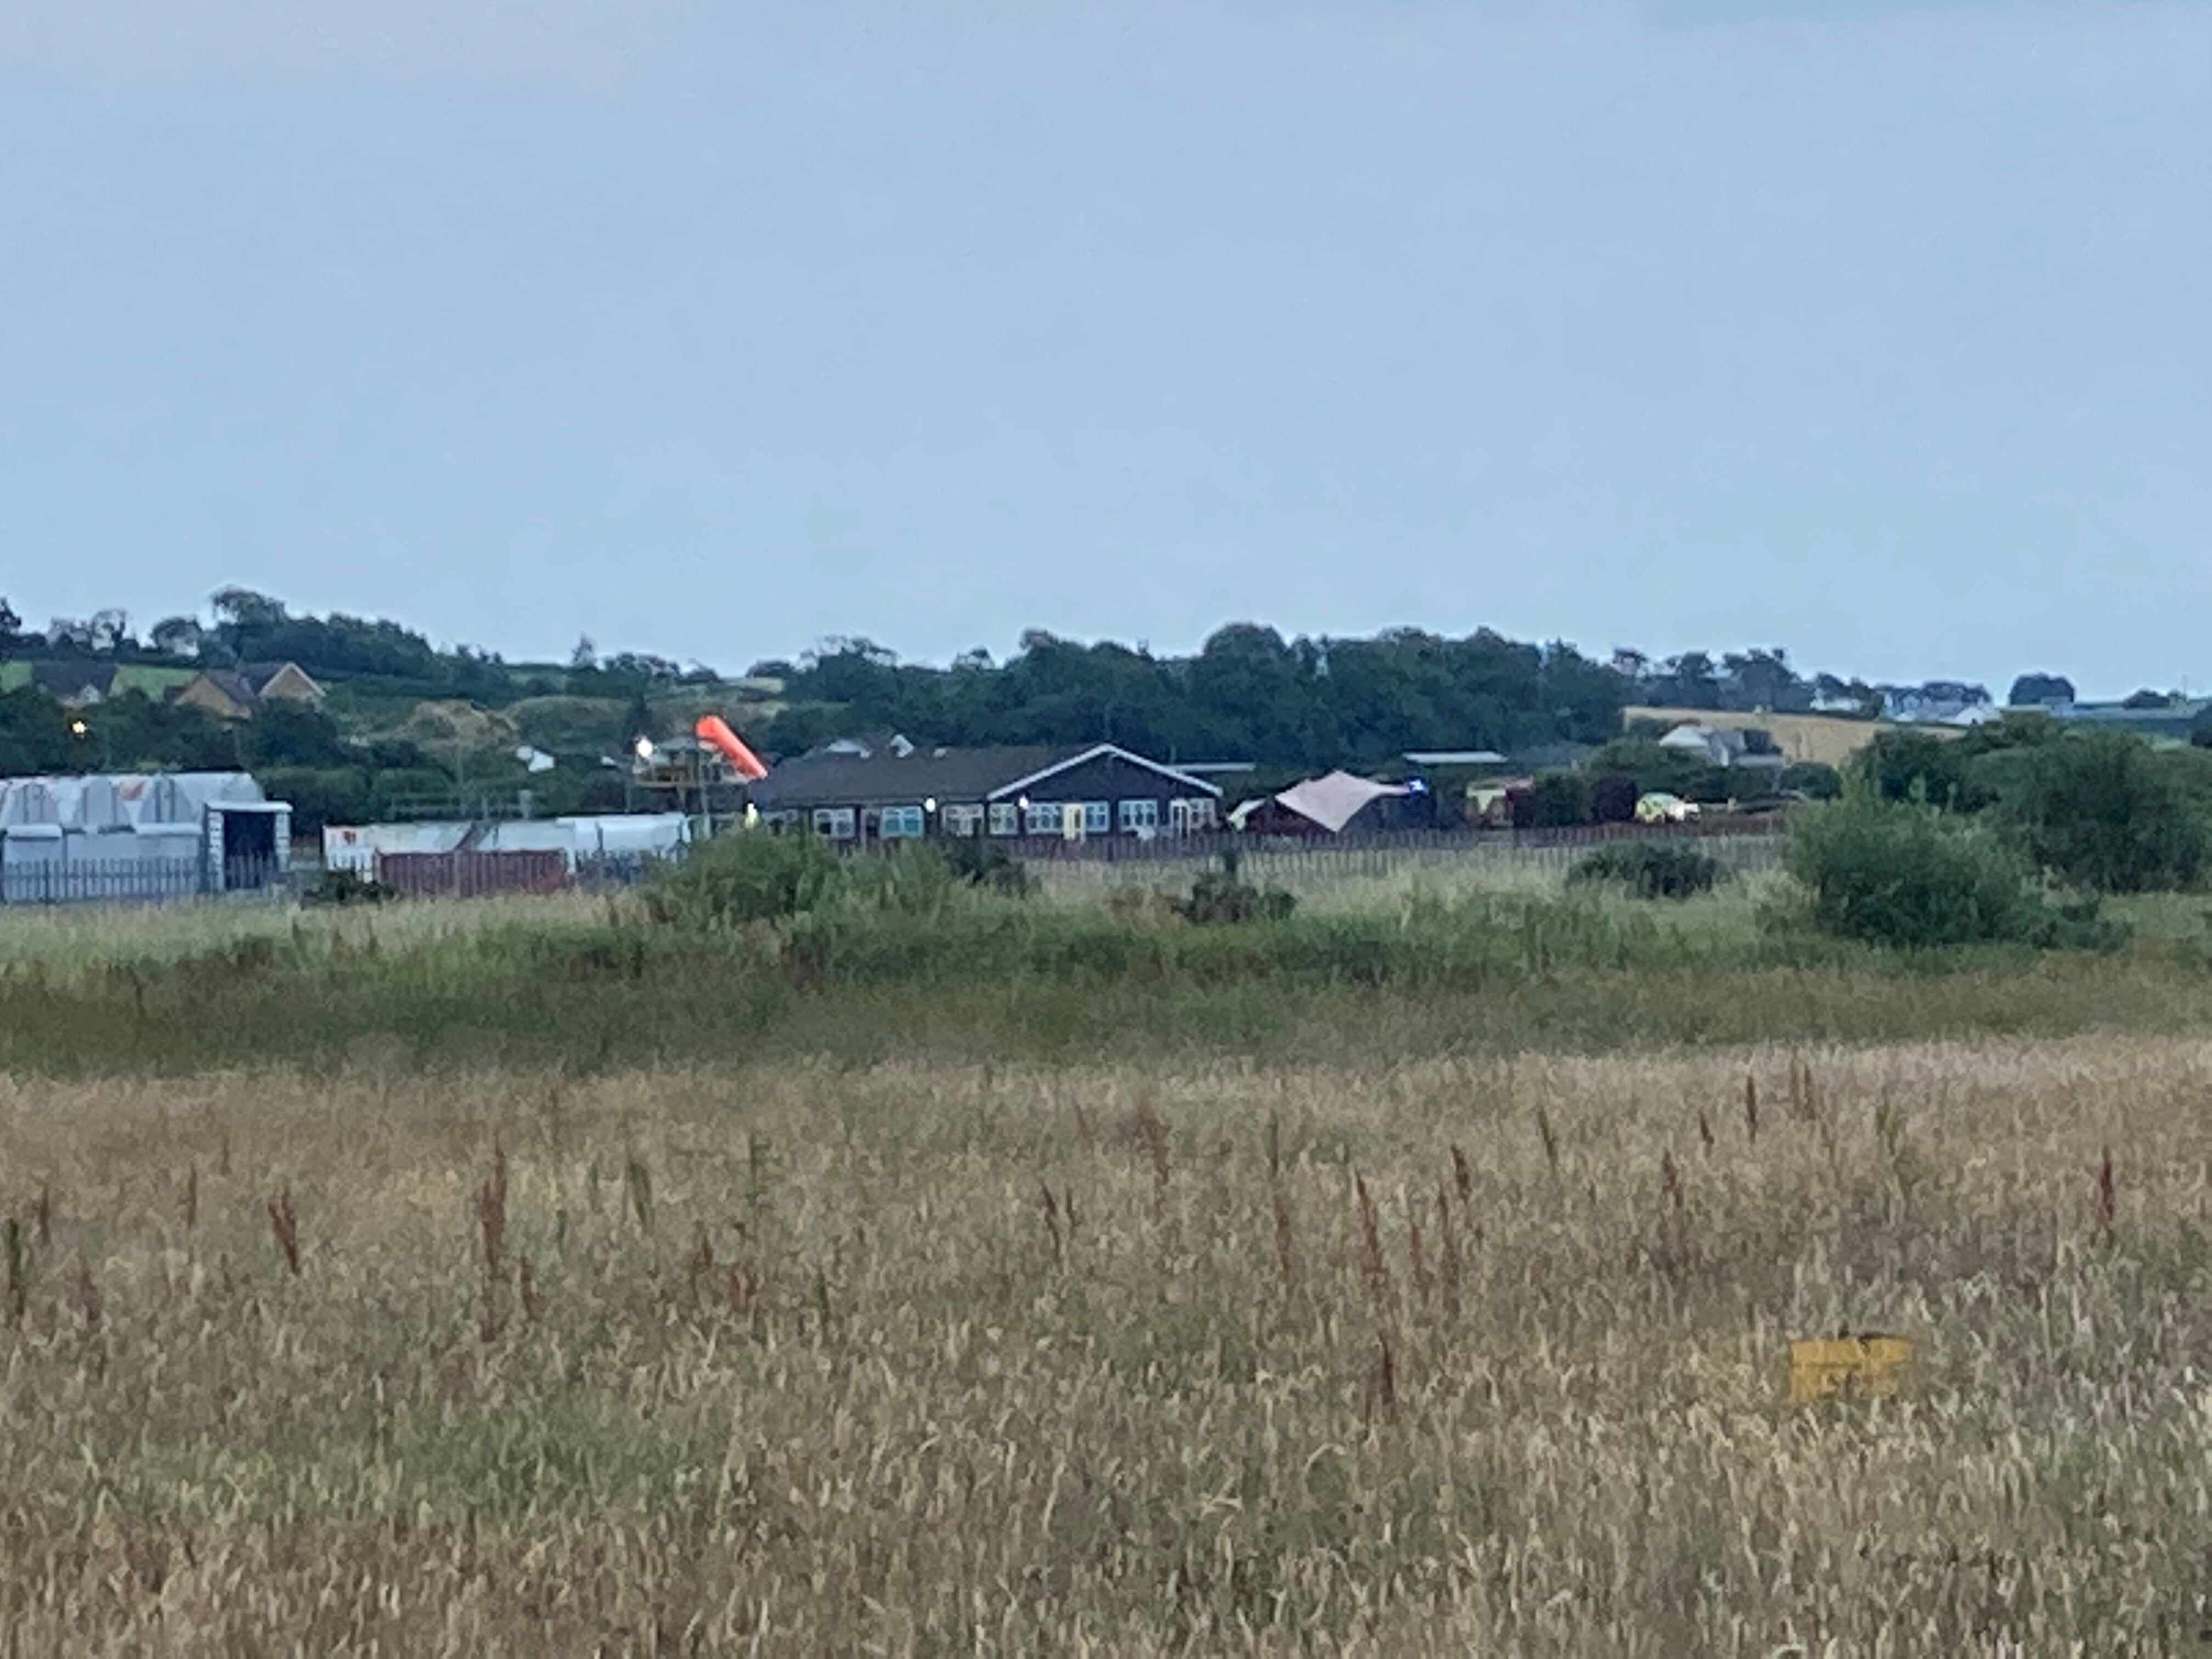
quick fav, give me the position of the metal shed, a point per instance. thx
(126, 836)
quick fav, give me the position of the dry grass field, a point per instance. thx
(1830, 739)
(1150, 1357)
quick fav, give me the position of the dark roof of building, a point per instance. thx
(234, 682)
(825, 779)
(69, 680)
(950, 775)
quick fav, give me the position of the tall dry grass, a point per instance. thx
(1208, 1357)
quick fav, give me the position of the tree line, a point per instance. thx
(1247, 693)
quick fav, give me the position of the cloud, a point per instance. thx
(529, 40)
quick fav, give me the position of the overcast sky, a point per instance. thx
(1880, 331)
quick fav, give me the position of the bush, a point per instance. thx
(1651, 869)
(346, 887)
(1658, 770)
(1613, 798)
(1906, 875)
(747, 876)
(987, 865)
(2106, 811)
(1555, 801)
(1813, 780)
(1223, 896)
(1919, 766)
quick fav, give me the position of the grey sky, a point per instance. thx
(1880, 331)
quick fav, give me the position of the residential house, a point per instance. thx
(74, 685)
(233, 693)
(1937, 702)
(856, 791)
(1729, 746)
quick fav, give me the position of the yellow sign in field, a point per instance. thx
(1866, 1365)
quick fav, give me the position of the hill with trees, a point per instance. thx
(407, 724)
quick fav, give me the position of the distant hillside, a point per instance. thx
(399, 718)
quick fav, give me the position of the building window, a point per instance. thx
(1097, 817)
(963, 820)
(1140, 816)
(1004, 817)
(1192, 816)
(1042, 817)
(835, 822)
(901, 823)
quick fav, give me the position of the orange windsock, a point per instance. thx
(713, 729)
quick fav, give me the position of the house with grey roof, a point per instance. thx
(892, 789)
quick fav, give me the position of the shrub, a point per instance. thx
(910, 880)
(1658, 770)
(746, 876)
(1613, 798)
(1919, 766)
(1652, 870)
(1223, 896)
(1906, 875)
(1813, 780)
(987, 865)
(346, 887)
(2106, 811)
(1555, 801)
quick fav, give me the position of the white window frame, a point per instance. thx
(1140, 814)
(1097, 817)
(835, 823)
(902, 824)
(962, 821)
(1005, 818)
(1042, 817)
(1191, 814)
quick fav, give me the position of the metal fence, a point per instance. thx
(1310, 861)
(135, 881)
(483, 874)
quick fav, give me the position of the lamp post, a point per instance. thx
(79, 728)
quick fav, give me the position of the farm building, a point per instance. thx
(869, 791)
(138, 835)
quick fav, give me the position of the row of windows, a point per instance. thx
(1090, 817)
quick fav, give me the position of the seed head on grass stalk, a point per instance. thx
(1052, 1224)
(284, 1226)
(491, 1228)
(1448, 1252)
(1382, 1379)
(638, 1180)
(1371, 1266)
(19, 1269)
(1286, 1261)
(1152, 1132)
(89, 1300)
